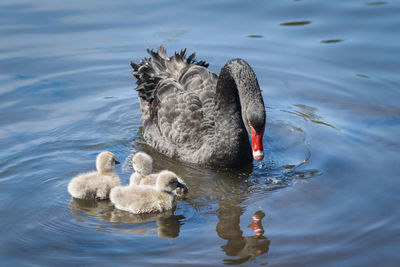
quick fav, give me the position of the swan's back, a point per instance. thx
(177, 97)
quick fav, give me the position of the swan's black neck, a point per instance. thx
(239, 100)
(238, 89)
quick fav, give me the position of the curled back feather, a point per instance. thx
(150, 71)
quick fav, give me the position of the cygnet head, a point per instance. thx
(167, 181)
(105, 162)
(142, 163)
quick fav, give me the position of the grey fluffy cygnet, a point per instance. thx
(143, 165)
(96, 185)
(145, 198)
(180, 192)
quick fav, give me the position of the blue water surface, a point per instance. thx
(328, 185)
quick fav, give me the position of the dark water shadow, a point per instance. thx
(296, 23)
(377, 3)
(331, 41)
(255, 36)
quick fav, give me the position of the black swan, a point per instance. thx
(191, 114)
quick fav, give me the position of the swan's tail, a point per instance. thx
(159, 66)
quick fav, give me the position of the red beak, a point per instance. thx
(257, 144)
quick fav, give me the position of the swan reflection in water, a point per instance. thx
(168, 224)
(246, 248)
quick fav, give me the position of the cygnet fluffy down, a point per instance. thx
(142, 165)
(96, 185)
(145, 198)
(180, 192)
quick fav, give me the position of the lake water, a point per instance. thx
(328, 187)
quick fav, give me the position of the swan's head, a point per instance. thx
(105, 162)
(168, 181)
(238, 74)
(255, 125)
(142, 163)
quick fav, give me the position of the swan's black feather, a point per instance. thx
(151, 70)
(182, 114)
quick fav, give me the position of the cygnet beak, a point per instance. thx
(116, 161)
(179, 185)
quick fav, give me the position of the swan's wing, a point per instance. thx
(182, 108)
(179, 105)
(150, 71)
